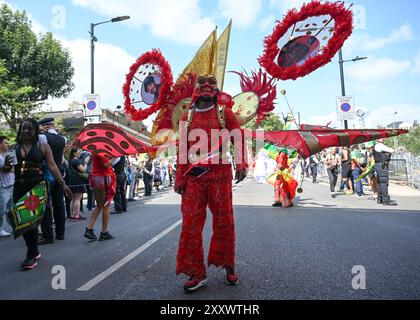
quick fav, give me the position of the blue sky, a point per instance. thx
(387, 33)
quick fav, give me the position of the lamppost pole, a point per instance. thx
(93, 39)
(92, 58)
(343, 88)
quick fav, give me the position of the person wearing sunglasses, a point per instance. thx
(205, 184)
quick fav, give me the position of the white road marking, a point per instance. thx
(92, 283)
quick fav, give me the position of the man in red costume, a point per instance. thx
(207, 183)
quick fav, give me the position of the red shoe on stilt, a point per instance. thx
(231, 276)
(195, 282)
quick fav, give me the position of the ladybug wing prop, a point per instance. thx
(111, 140)
(308, 143)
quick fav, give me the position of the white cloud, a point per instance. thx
(321, 119)
(111, 65)
(373, 72)
(179, 21)
(267, 22)
(365, 42)
(243, 13)
(36, 26)
(416, 69)
(384, 115)
(286, 5)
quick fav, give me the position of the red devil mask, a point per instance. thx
(207, 86)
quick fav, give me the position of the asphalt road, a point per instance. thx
(306, 252)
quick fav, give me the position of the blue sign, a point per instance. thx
(91, 105)
(345, 107)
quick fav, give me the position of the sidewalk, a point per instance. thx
(398, 190)
(395, 188)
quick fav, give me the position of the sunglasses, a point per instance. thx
(204, 80)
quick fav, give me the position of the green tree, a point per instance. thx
(32, 68)
(272, 122)
(410, 141)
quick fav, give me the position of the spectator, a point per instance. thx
(346, 174)
(313, 164)
(55, 207)
(78, 179)
(120, 199)
(373, 182)
(7, 180)
(67, 181)
(170, 173)
(103, 184)
(134, 165)
(332, 161)
(148, 173)
(30, 155)
(90, 199)
(356, 160)
(157, 178)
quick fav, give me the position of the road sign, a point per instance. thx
(92, 120)
(362, 113)
(92, 105)
(346, 109)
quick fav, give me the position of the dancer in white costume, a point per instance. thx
(260, 170)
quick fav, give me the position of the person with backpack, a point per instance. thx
(203, 185)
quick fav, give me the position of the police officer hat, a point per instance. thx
(46, 121)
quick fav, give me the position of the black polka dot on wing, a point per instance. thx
(110, 135)
(124, 145)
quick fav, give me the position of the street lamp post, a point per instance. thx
(343, 88)
(93, 39)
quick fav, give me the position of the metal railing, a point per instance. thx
(406, 167)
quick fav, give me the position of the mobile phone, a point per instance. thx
(198, 171)
(12, 153)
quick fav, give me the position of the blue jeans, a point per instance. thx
(358, 185)
(6, 202)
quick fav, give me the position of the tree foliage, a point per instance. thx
(33, 67)
(410, 141)
(272, 122)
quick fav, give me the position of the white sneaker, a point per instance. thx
(3, 233)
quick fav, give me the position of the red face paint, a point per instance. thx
(207, 86)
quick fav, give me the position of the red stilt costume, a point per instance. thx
(212, 190)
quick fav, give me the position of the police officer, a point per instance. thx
(382, 156)
(56, 205)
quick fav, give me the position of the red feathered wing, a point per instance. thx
(111, 140)
(308, 143)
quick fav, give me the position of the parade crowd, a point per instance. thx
(359, 171)
(42, 154)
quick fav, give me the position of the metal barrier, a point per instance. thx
(412, 168)
(398, 170)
